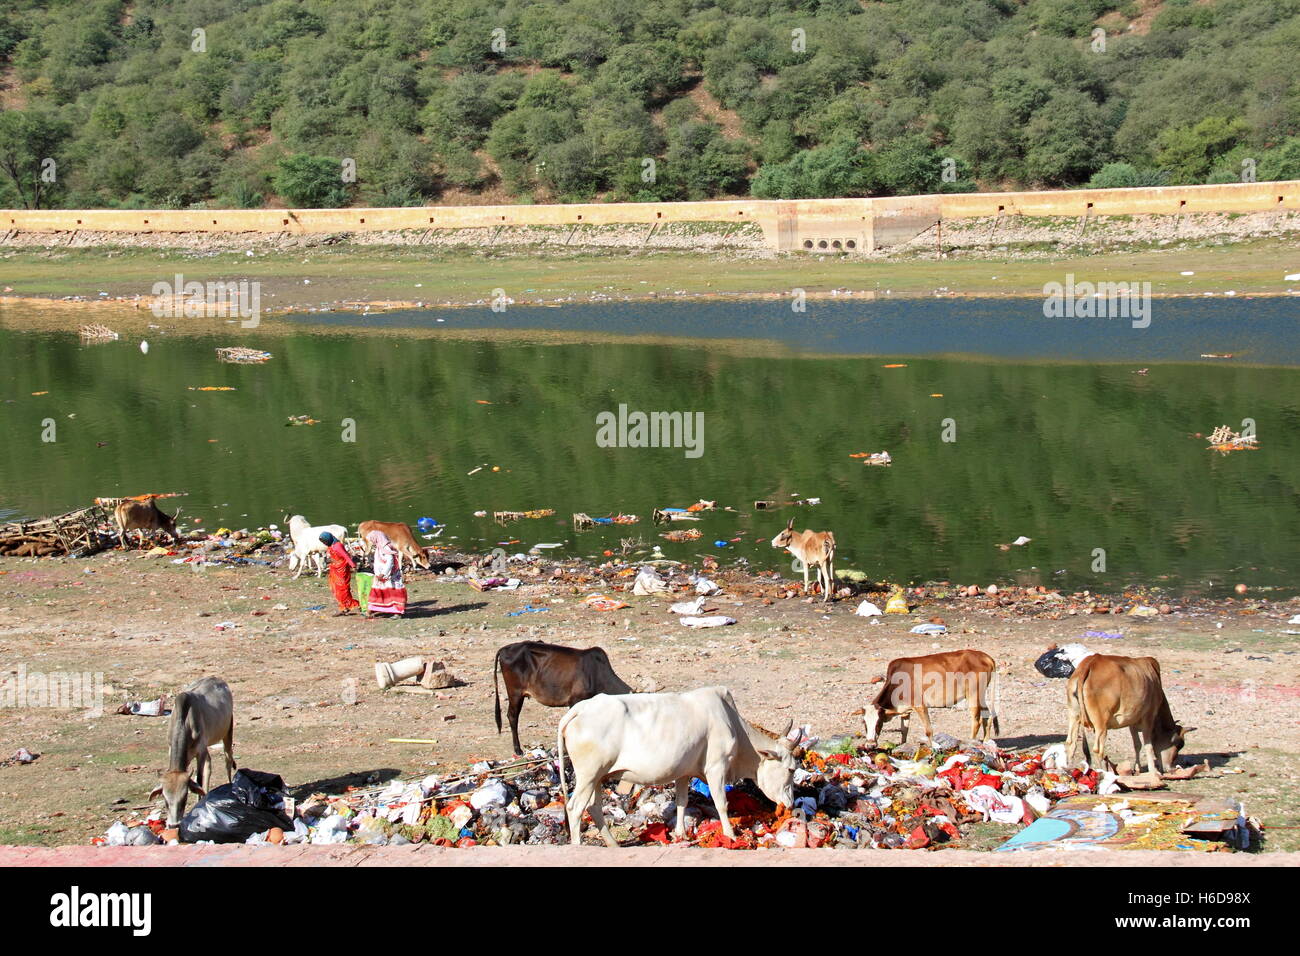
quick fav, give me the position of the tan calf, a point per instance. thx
(915, 684)
(132, 514)
(399, 533)
(813, 549)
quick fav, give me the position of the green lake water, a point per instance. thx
(1077, 455)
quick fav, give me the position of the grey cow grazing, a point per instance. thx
(203, 715)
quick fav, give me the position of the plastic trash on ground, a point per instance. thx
(252, 803)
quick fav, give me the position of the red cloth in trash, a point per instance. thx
(965, 778)
(657, 833)
(917, 840)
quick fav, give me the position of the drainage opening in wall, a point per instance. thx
(807, 243)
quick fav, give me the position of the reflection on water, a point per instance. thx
(1077, 457)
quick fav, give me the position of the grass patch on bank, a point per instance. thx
(338, 274)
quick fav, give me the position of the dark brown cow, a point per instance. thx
(399, 533)
(552, 675)
(1107, 692)
(142, 516)
(915, 684)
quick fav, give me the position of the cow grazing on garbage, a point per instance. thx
(399, 533)
(666, 738)
(308, 549)
(813, 549)
(912, 685)
(1107, 692)
(135, 515)
(203, 715)
(552, 675)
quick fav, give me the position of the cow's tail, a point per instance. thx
(496, 690)
(559, 756)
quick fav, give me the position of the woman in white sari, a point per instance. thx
(388, 595)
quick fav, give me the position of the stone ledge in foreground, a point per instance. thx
(425, 855)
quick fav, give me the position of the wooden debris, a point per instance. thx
(1224, 439)
(96, 333)
(76, 534)
(501, 517)
(241, 355)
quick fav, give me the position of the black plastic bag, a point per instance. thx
(251, 803)
(1054, 663)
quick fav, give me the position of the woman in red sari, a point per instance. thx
(388, 596)
(341, 568)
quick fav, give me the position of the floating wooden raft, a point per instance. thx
(241, 355)
(97, 333)
(76, 534)
(501, 517)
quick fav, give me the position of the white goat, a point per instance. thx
(307, 546)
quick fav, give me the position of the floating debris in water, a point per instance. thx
(240, 355)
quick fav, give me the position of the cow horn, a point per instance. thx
(788, 724)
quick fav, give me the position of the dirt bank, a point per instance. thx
(348, 277)
(307, 706)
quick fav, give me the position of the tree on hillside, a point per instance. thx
(29, 141)
(842, 168)
(311, 181)
(1189, 152)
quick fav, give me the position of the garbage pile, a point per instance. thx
(78, 534)
(846, 796)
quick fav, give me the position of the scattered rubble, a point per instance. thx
(846, 796)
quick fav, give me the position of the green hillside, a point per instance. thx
(404, 102)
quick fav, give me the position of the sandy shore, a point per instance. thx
(307, 706)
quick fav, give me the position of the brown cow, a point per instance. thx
(915, 684)
(815, 549)
(1106, 692)
(552, 675)
(132, 514)
(400, 534)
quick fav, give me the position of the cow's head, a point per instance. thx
(873, 717)
(783, 539)
(1177, 740)
(776, 767)
(175, 790)
(169, 524)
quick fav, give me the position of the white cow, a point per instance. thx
(662, 738)
(307, 546)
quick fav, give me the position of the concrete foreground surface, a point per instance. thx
(426, 855)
